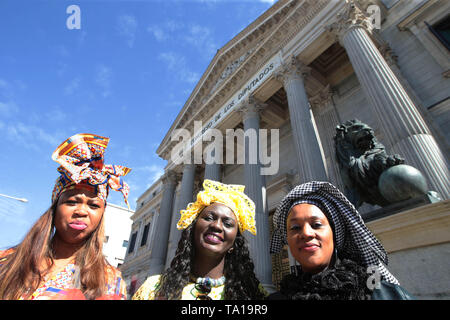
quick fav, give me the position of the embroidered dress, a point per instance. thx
(60, 286)
(151, 285)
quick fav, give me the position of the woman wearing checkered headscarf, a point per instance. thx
(338, 255)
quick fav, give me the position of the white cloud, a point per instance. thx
(165, 31)
(3, 84)
(82, 38)
(7, 109)
(176, 63)
(61, 69)
(103, 78)
(72, 86)
(127, 26)
(143, 177)
(155, 173)
(29, 136)
(172, 59)
(8, 106)
(6, 90)
(194, 35)
(158, 33)
(62, 50)
(56, 115)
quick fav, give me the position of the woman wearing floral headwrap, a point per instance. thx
(212, 260)
(61, 256)
(339, 257)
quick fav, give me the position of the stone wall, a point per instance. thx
(418, 246)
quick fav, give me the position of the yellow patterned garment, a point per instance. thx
(231, 195)
(151, 285)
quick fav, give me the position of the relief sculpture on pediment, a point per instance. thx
(230, 68)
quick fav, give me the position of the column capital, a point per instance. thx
(388, 54)
(292, 68)
(251, 107)
(170, 177)
(322, 99)
(349, 17)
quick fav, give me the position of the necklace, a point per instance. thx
(209, 282)
(203, 286)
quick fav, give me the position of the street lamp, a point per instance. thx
(18, 199)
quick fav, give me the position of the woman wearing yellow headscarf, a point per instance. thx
(212, 260)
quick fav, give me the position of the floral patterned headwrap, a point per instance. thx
(81, 159)
(230, 195)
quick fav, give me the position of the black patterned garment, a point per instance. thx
(353, 240)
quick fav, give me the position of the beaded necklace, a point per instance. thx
(204, 285)
(209, 282)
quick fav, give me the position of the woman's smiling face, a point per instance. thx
(215, 230)
(310, 237)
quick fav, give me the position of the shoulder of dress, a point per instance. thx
(152, 281)
(112, 272)
(147, 290)
(263, 290)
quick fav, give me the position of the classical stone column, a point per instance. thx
(255, 188)
(327, 119)
(391, 59)
(159, 246)
(183, 199)
(310, 157)
(406, 132)
(140, 230)
(213, 171)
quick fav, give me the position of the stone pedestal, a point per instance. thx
(418, 243)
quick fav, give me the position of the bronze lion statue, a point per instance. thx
(362, 159)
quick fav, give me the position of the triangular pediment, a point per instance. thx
(229, 60)
(239, 60)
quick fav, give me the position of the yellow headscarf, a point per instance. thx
(231, 195)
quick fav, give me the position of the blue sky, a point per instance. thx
(125, 75)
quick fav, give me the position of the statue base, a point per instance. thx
(430, 197)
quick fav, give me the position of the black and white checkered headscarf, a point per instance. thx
(353, 240)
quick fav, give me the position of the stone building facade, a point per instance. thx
(303, 67)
